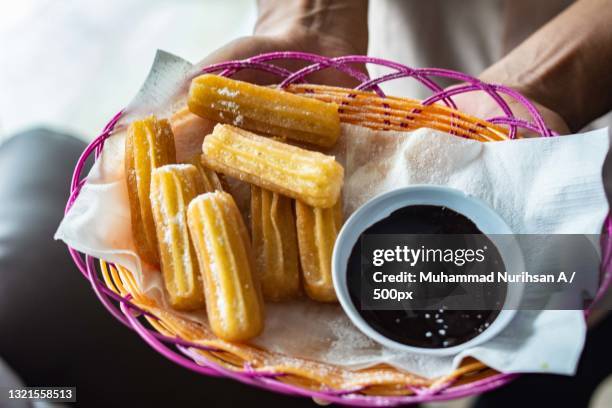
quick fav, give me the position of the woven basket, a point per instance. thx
(196, 348)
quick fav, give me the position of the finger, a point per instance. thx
(321, 402)
(482, 105)
(243, 48)
(247, 47)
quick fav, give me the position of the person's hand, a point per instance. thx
(481, 105)
(308, 26)
(565, 67)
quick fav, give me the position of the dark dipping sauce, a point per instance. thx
(438, 328)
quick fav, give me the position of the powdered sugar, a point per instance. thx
(230, 105)
(228, 92)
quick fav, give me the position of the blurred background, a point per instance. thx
(58, 58)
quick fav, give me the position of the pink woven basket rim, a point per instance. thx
(127, 312)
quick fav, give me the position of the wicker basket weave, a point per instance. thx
(195, 347)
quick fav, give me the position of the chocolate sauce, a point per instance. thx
(426, 328)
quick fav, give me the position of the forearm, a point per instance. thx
(566, 65)
(342, 21)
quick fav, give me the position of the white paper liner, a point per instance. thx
(543, 186)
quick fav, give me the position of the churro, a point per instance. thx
(264, 110)
(172, 188)
(233, 299)
(311, 177)
(149, 144)
(317, 229)
(274, 244)
(211, 179)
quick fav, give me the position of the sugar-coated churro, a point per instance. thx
(233, 299)
(149, 144)
(264, 110)
(317, 229)
(311, 177)
(172, 188)
(211, 179)
(274, 244)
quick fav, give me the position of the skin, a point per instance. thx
(564, 68)
(324, 27)
(566, 65)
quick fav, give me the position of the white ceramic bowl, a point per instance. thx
(380, 207)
